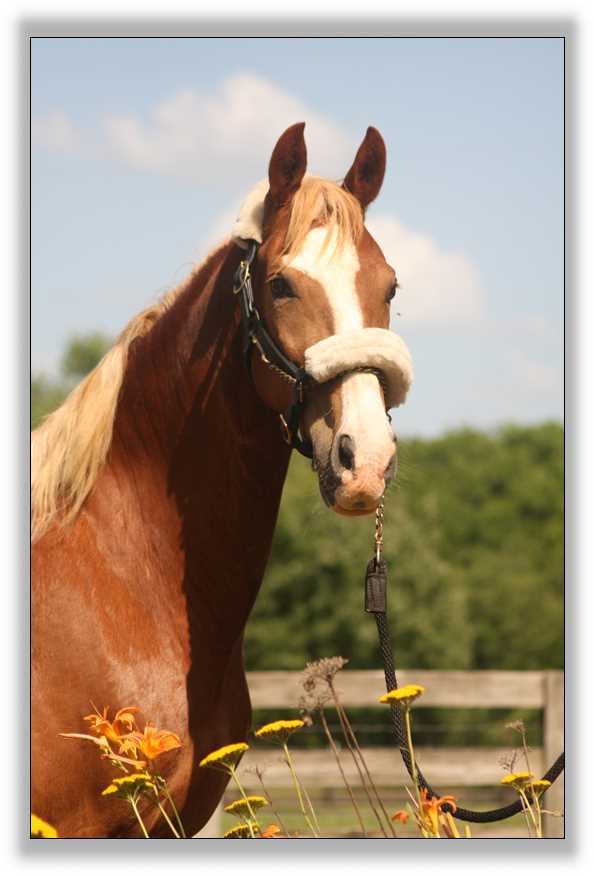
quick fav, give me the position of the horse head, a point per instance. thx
(322, 288)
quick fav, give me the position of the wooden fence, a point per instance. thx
(446, 768)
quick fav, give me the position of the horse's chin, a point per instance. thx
(329, 484)
(353, 512)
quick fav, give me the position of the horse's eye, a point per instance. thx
(280, 288)
(392, 292)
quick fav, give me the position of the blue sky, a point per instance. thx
(142, 150)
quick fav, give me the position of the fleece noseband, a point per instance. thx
(367, 349)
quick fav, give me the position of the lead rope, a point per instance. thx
(376, 581)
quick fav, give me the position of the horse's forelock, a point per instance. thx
(321, 202)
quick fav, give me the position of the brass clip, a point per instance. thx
(379, 532)
(287, 435)
(244, 276)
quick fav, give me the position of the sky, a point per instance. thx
(142, 150)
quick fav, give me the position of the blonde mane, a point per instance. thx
(70, 447)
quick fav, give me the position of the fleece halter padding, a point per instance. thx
(372, 348)
(375, 348)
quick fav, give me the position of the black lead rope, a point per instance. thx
(255, 332)
(376, 581)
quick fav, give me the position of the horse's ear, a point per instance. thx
(287, 164)
(364, 179)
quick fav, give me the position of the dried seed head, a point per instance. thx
(508, 761)
(322, 670)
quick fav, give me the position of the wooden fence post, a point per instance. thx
(554, 744)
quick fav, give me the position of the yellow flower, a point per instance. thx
(241, 831)
(403, 695)
(40, 829)
(152, 742)
(225, 757)
(539, 786)
(517, 780)
(241, 807)
(122, 723)
(279, 731)
(127, 786)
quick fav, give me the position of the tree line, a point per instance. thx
(473, 538)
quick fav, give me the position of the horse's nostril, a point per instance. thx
(346, 451)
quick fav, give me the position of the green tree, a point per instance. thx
(474, 543)
(82, 354)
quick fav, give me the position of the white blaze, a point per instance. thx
(363, 412)
(335, 273)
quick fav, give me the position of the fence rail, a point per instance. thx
(445, 767)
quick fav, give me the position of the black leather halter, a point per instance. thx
(255, 332)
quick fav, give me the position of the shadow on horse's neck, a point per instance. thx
(192, 421)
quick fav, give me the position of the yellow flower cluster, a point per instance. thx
(40, 829)
(524, 782)
(404, 696)
(225, 757)
(125, 786)
(279, 730)
(540, 786)
(517, 779)
(241, 807)
(240, 831)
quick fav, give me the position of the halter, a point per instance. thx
(255, 332)
(374, 350)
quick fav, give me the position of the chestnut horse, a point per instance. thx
(156, 485)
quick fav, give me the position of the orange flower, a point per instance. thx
(432, 807)
(122, 724)
(400, 816)
(153, 742)
(270, 832)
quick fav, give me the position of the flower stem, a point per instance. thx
(355, 742)
(310, 804)
(332, 744)
(165, 816)
(355, 758)
(269, 798)
(243, 794)
(137, 814)
(528, 814)
(174, 809)
(411, 751)
(298, 789)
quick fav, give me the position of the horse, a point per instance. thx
(156, 485)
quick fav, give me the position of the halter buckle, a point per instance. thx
(287, 434)
(242, 276)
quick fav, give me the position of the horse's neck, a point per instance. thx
(191, 422)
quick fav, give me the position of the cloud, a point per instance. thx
(437, 285)
(226, 136)
(533, 375)
(56, 132)
(219, 137)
